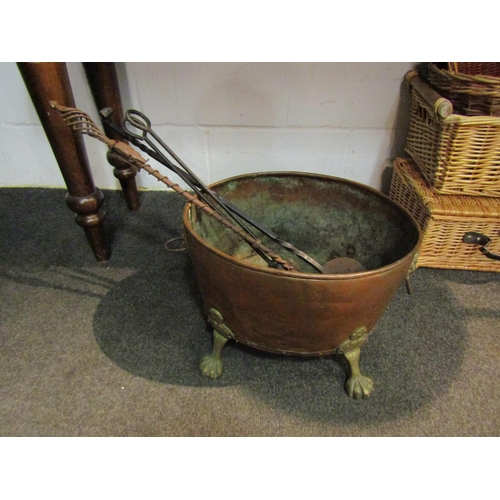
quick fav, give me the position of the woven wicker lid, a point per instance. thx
(453, 205)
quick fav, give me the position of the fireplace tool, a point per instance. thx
(136, 129)
(146, 135)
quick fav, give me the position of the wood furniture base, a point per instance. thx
(49, 81)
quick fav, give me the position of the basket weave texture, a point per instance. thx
(456, 154)
(445, 219)
(472, 88)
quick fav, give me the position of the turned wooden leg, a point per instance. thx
(125, 172)
(103, 83)
(49, 81)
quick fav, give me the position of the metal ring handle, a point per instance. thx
(138, 120)
(169, 248)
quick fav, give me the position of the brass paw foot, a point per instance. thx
(357, 386)
(211, 364)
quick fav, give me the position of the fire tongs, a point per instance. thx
(137, 130)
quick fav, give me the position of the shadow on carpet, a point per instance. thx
(152, 325)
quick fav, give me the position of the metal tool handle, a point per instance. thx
(141, 122)
(473, 238)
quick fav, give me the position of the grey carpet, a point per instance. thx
(91, 349)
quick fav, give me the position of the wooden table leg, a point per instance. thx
(49, 81)
(103, 83)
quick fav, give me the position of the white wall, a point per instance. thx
(223, 119)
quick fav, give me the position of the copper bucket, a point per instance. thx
(301, 312)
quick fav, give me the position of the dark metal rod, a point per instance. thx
(157, 155)
(189, 177)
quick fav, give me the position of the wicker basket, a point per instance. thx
(473, 88)
(487, 69)
(456, 154)
(445, 219)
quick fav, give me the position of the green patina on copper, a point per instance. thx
(336, 220)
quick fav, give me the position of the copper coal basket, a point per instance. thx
(362, 245)
(301, 312)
